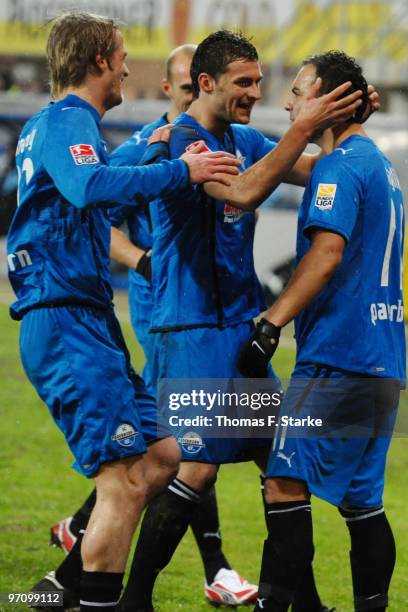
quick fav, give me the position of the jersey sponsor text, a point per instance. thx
(23, 258)
(387, 312)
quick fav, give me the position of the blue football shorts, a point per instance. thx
(78, 362)
(209, 353)
(345, 463)
(140, 308)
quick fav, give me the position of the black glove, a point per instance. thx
(256, 353)
(144, 265)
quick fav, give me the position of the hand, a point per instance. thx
(144, 265)
(161, 134)
(211, 166)
(256, 353)
(320, 113)
(373, 105)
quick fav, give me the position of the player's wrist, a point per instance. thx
(269, 330)
(255, 354)
(304, 128)
(144, 265)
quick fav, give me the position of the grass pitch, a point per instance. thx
(38, 488)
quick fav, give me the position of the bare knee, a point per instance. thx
(122, 485)
(199, 476)
(285, 490)
(165, 455)
(161, 465)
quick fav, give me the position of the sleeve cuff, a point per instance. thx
(154, 153)
(335, 229)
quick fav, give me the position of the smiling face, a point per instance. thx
(301, 89)
(115, 73)
(235, 92)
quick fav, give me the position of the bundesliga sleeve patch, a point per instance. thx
(84, 154)
(326, 193)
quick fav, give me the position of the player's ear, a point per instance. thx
(166, 87)
(100, 62)
(206, 82)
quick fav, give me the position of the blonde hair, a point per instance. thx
(73, 43)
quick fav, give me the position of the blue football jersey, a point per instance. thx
(137, 219)
(138, 222)
(203, 267)
(357, 321)
(58, 242)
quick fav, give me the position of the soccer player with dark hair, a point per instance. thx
(58, 255)
(346, 298)
(206, 292)
(177, 86)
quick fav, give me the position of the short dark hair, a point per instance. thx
(218, 50)
(334, 68)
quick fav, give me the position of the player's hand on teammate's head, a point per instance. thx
(212, 166)
(322, 112)
(160, 134)
(373, 105)
(256, 353)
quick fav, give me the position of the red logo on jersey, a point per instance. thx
(203, 148)
(231, 213)
(84, 154)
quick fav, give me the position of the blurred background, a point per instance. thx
(284, 32)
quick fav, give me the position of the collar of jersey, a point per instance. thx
(353, 138)
(215, 144)
(76, 101)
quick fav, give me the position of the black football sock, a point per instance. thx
(306, 598)
(68, 573)
(207, 532)
(81, 517)
(372, 557)
(164, 524)
(262, 479)
(100, 591)
(287, 554)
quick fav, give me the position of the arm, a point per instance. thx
(83, 178)
(312, 274)
(329, 226)
(123, 250)
(310, 277)
(250, 188)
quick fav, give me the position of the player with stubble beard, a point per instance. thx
(206, 292)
